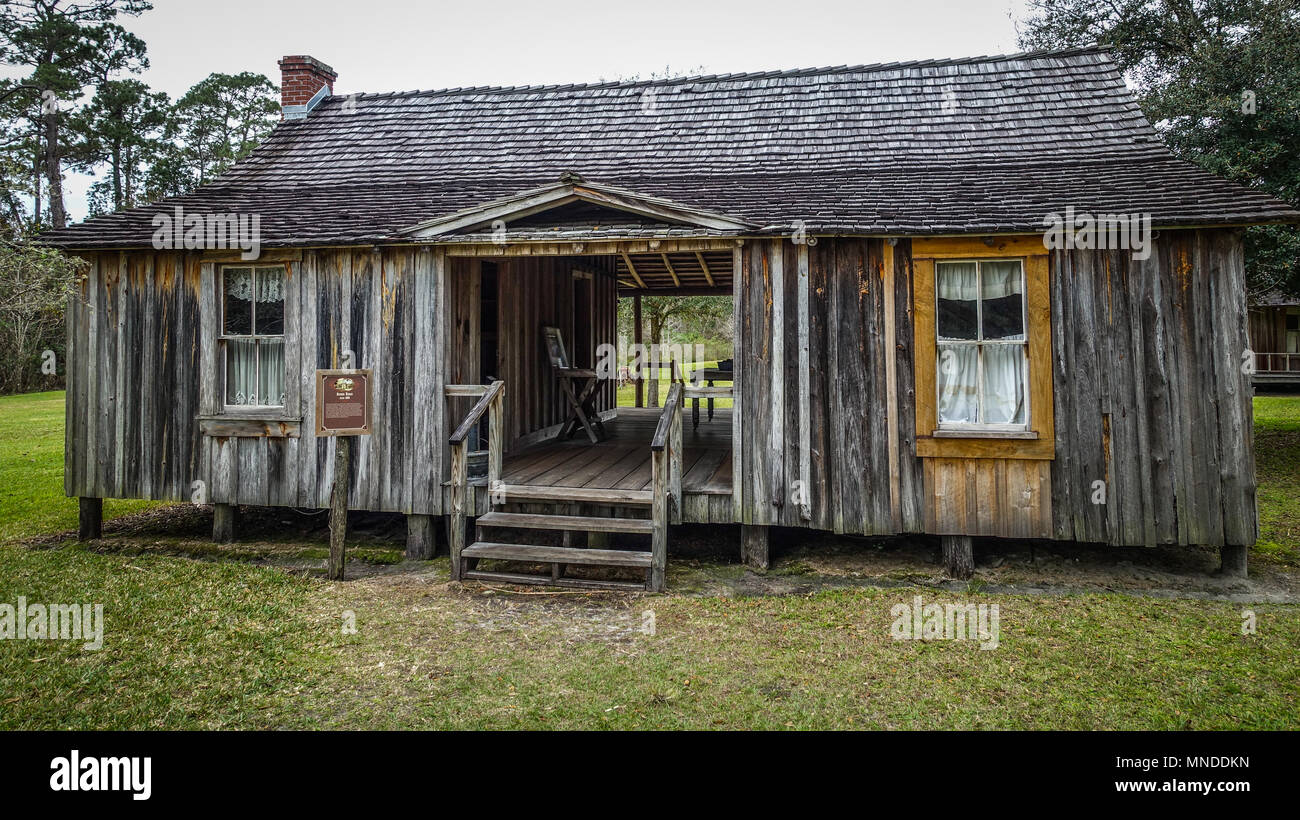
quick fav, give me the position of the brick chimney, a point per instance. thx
(302, 78)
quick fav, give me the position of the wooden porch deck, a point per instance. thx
(622, 461)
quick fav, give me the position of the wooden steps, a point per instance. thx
(544, 485)
(572, 583)
(559, 558)
(576, 495)
(558, 555)
(587, 523)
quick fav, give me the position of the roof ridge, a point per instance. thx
(740, 75)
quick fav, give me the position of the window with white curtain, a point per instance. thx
(982, 348)
(252, 335)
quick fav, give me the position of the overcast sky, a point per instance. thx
(397, 45)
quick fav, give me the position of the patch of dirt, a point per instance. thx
(577, 618)
(702, 561)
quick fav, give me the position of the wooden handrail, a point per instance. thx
(453, 391)
(725, 391)
(471, 419)
(462, 496)
(672, 406)
(666, 478)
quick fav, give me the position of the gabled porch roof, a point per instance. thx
(648, 212)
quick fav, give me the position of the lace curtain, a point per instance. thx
(255, 372)
(254, 302)
(981, 377)
(239, 284)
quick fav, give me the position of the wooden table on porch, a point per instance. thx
(710, 375)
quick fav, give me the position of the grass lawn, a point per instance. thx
(1277, 468)
(627, 393)
(233, 644)
(31, 469)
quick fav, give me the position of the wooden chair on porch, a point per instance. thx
(578, 386)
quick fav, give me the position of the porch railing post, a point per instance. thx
(639, 357)
(462, 498)
(659, 515)
(675, 456)
(459, 489)
(495, 444)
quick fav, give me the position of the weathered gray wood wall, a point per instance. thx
(1267, 326)
(534, 292)
(133, 377)
(142, 376)
(844, 402)
(1148, 389)
(143, 372)
(1150, 394)
(386, 307)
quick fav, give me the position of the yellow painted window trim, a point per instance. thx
(1030, 251)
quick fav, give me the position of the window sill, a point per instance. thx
(1001, 444)
(248, 425)
(1016, 435)
(265, 412)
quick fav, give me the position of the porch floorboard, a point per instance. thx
(622, 461)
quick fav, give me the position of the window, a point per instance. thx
(252, 336)
(982, 367)
(982, 361)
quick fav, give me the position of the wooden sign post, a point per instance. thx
(342, 409)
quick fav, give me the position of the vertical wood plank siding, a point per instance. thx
(534, 292)
(1149, 395)
(846, 402)
(133, 378)
(1148, 390)
(133, 408)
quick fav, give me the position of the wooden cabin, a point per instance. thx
(1274, 329)
(913, 352)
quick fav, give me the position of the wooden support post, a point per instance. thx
(675, 464)
(339, 507)
(754, 546)
(496, 439)
(223, 523)
(456, 521)
(659, 515)
(1232, 560)
(90, 518)
(958, 556)
(420, 543)
(636, 338)
(804, 403)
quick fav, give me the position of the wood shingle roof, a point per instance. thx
(989, 144)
